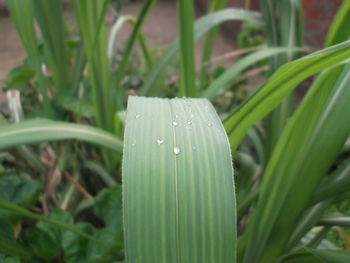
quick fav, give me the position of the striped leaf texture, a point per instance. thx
(179, 199)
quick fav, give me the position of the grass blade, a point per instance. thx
(36, 131)
(49, 15)
(307, 255)
(298, 164)
(288, 18)
(339, 30)
(90, 16)
(278, 86)
(185, 18)
(22, 16)
(209, 40)
(177, 177)
(135, 35)
(201, 27)
(233, 72)
(4, 204)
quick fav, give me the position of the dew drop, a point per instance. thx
(174, 123)
(189, 122)
(194, 148)
(137, 116)
(159, 141)
(176, 116)
(133, 143)
(210, 124)
(176, 150)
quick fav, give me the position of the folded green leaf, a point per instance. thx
(179, 201)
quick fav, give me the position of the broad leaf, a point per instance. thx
(18, 190)
(179, 201)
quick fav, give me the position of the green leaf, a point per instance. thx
(179, 200)
(339, 30)
(4, 259)
(107, 206)
(238, 67)
(8, 245)
(44, 238)
(90, 16)
(318, 256)
(41, 130)
(266, 98)
(146, 8)
(299, 163)
(19, 190)
(8, 206)
(185, 18)
(20, 74)
(49, 15)
(22, 16)
(201, 27)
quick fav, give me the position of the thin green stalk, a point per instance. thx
(209, 41)
(120, 96)
(22, 16)
(90, 16)
(185, 20)
(24, 212)
(285, 18)
(49, 15)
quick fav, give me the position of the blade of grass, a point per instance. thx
(35, 131)
(202, 26)
(339, 30)
(22, 16)
(12, 248)
(49, 15)
(135, 35)
(266, 98)
(4, 204)
(233, 72)
(338, 183)
(298, 164)
(185, 20)
(209, 40)
(288, 17)
(307, 255)
(177, 177)
(335, 221)
(90, 16)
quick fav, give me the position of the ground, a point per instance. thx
(160, 29)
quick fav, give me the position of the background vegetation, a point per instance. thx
(63, 127)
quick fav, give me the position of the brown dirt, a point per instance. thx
(11, 50)
(160, 29)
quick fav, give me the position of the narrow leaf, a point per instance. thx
(36, 131)
(265, 99)
(202, 26)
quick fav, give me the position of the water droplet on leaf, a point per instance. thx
(176, 150)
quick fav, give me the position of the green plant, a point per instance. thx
(181, 202)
